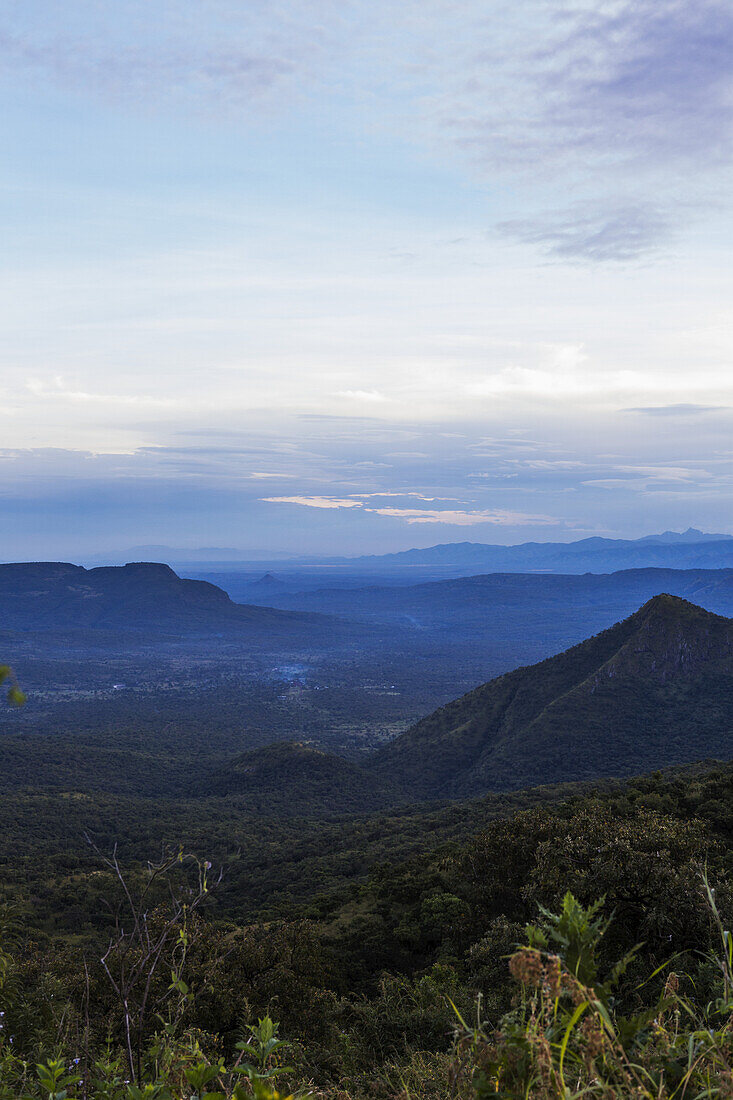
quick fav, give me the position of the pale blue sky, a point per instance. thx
(265, 260)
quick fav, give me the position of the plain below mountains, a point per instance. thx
(654, 690)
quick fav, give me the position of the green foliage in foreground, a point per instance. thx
(570, 1032)
(370, 982)
(622, 988)
(569, 1036)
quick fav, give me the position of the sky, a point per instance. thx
(314, 277)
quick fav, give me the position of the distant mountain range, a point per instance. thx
(654, 690)
(672, 549)
(173, 554)
(691, 535)
(689, 549)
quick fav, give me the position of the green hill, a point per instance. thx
(298, 778)
(654, 690)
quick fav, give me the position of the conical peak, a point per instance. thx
(672, 636)
(666, 604)
(666, 608)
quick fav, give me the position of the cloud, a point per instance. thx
(402, 495)
(407, 454)
(627, 105)
(369, 396)
(597, 235)
(60, 392)
(649, 79)
(494, 517)
(667, 473)
(314, 502)
(542, 464)
(642, 81)
(137, 58)
(677, 410)
(651, 479)
(450, 517)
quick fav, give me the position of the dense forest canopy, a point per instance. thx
(370, 979)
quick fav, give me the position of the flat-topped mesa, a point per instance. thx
(20, 571)
(139, 596)
(150, 568)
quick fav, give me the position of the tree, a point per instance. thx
(14, 695)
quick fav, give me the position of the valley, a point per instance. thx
(375, 814)
(366, 557)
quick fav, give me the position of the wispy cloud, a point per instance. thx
(402, 496)
(453, 517)
(649, 80)
(130, 56)
(621, 103)
(372, 397)
(59, 391)
(314, 502)
(652, 479)
(642, 81)
(595, 235)
(492, 517)
(133, 72)
(678, 410)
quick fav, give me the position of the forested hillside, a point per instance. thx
(655, 689)
(371, 982)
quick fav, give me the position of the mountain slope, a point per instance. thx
(656, 689)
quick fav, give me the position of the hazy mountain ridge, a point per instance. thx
(676, 549)
(692, 534)
(488, 624)
(685, 550)
(457, 596)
